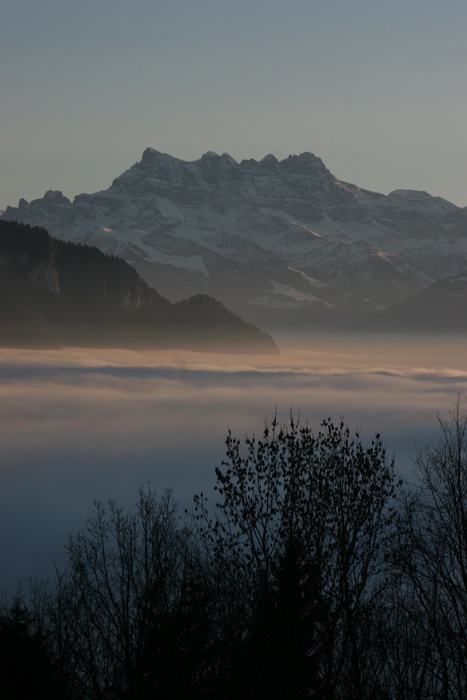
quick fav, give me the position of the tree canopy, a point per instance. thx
(313, 573)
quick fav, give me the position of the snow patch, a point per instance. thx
(194, 263)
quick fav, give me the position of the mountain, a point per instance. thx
(442, 306)
(55, 292)
(277, 241)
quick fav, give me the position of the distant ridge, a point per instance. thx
(441, 307)
(280, 242)
(54, 292)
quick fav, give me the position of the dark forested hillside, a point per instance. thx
(53, 292)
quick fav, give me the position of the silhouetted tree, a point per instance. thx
(303, 580)
(120, 601)
(28, 668)
(301, 530)
(433, 561)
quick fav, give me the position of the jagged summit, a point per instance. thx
(56, 196)
(302, 163)
(275, 239)
(268, 161)
(150, 155)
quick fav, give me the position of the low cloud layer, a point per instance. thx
(77, 425)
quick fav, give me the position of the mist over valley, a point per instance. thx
(233, 368)
(282, 244)
(78, 424)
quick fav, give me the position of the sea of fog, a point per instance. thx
(78, 425)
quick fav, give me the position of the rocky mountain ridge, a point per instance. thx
(277, 241)
(441, 307)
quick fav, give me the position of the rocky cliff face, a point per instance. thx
(272, 239)
(55, 292)
(36, 259)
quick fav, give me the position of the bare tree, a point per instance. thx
(433, 559)
(302, 528)
(125, 576)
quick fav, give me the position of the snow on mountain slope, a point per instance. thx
(263, 233)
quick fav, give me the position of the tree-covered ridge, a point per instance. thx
(56, 292)
(316, 573)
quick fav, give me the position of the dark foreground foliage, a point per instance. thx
(315, 574)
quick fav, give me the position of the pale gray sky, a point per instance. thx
(376, 88)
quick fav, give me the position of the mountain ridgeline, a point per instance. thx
(282, 243)
(60, 293)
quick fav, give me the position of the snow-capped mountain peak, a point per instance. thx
(250, 230)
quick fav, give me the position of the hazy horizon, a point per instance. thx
(82, 424)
